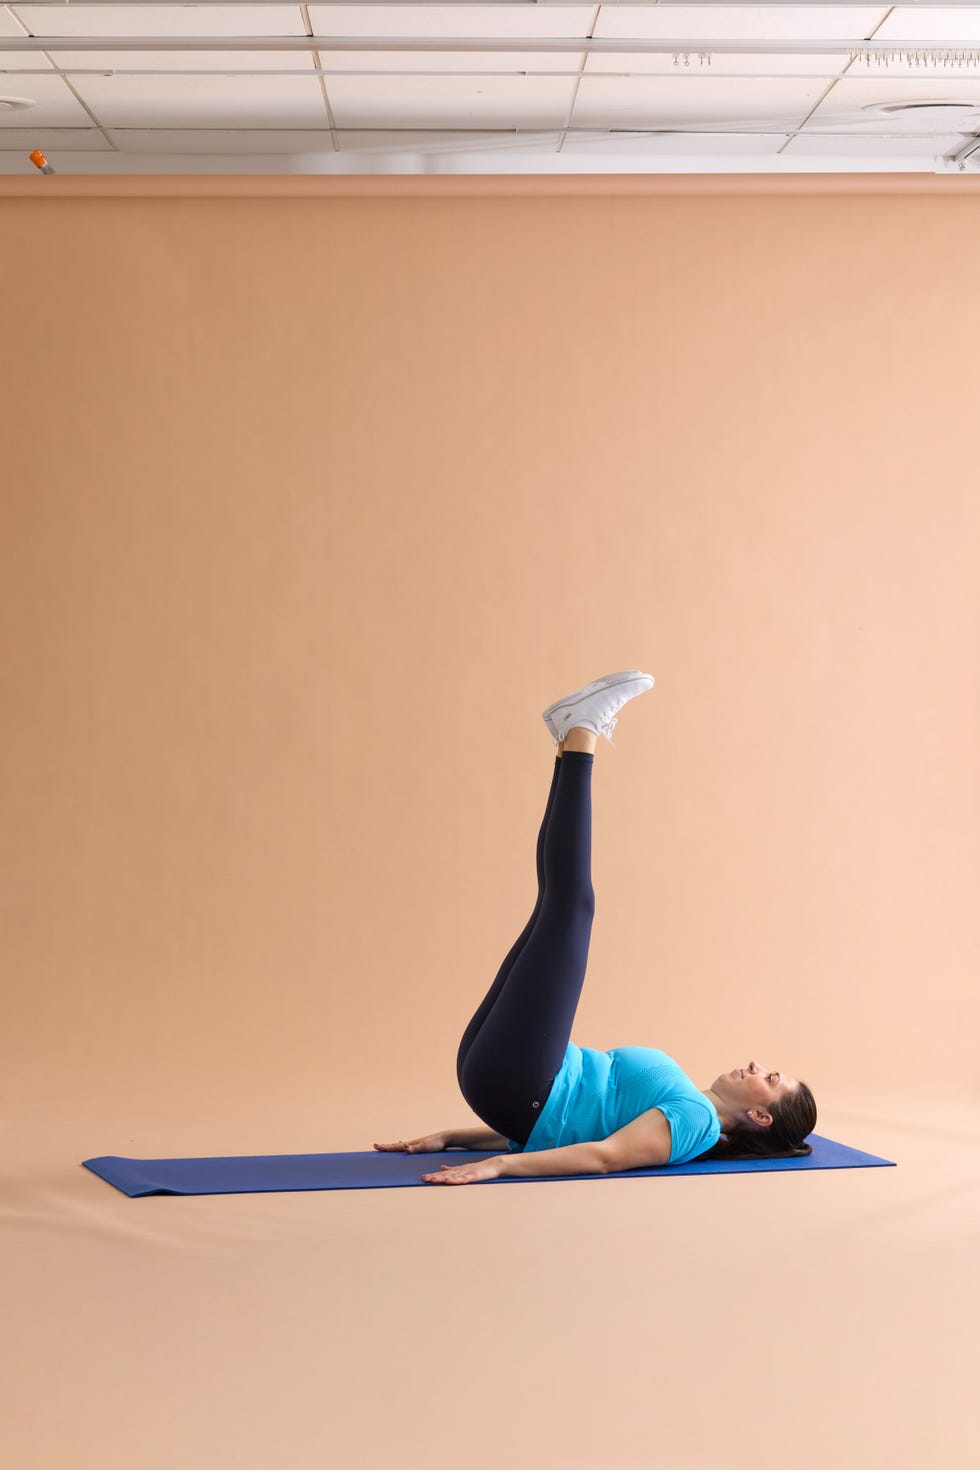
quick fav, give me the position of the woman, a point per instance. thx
(562, 1109)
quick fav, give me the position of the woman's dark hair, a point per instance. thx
(793, 1117)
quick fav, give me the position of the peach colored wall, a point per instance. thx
(310, 506)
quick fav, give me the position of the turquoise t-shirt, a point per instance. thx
(598, 1092)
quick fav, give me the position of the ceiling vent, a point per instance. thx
(954, 114)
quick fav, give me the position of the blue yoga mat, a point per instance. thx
(267, 1173)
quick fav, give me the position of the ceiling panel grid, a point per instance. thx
(518, 86)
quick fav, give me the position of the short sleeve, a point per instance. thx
(692, 1130)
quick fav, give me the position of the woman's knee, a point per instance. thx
(576, 898)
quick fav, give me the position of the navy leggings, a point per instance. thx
(514, 1046)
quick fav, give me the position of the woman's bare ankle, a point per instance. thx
(579, 739)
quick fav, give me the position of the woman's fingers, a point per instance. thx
(431, 1143)
(455, 1174)
(474, 1173)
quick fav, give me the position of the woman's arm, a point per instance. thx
(578, 1158)
(474, 1138)
(575, 1158)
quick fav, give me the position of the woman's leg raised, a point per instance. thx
(514, 1055)
(486, 1005)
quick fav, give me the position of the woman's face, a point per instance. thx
(753, 1087)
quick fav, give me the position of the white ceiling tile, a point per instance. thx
(693, 145)
(233, 141)
(500, 62)
(500, 21)
(751, 64)
(161, 20)
(448, 140)
(924, 148)
(253, 102)
(670, 102)
(672, 145)
(61, 140)
(16, 60)
(9, 26)
(22, 61)
(852, 94)
(55, 103)
(244, 141)
(184, 61)
(939, 23)
(452, 102)
(738, 22)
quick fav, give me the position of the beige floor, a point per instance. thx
(807, 1321)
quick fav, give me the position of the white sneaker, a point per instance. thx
(594, 706)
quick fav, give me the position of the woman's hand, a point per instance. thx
(466, 1173)
(432, 1143)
